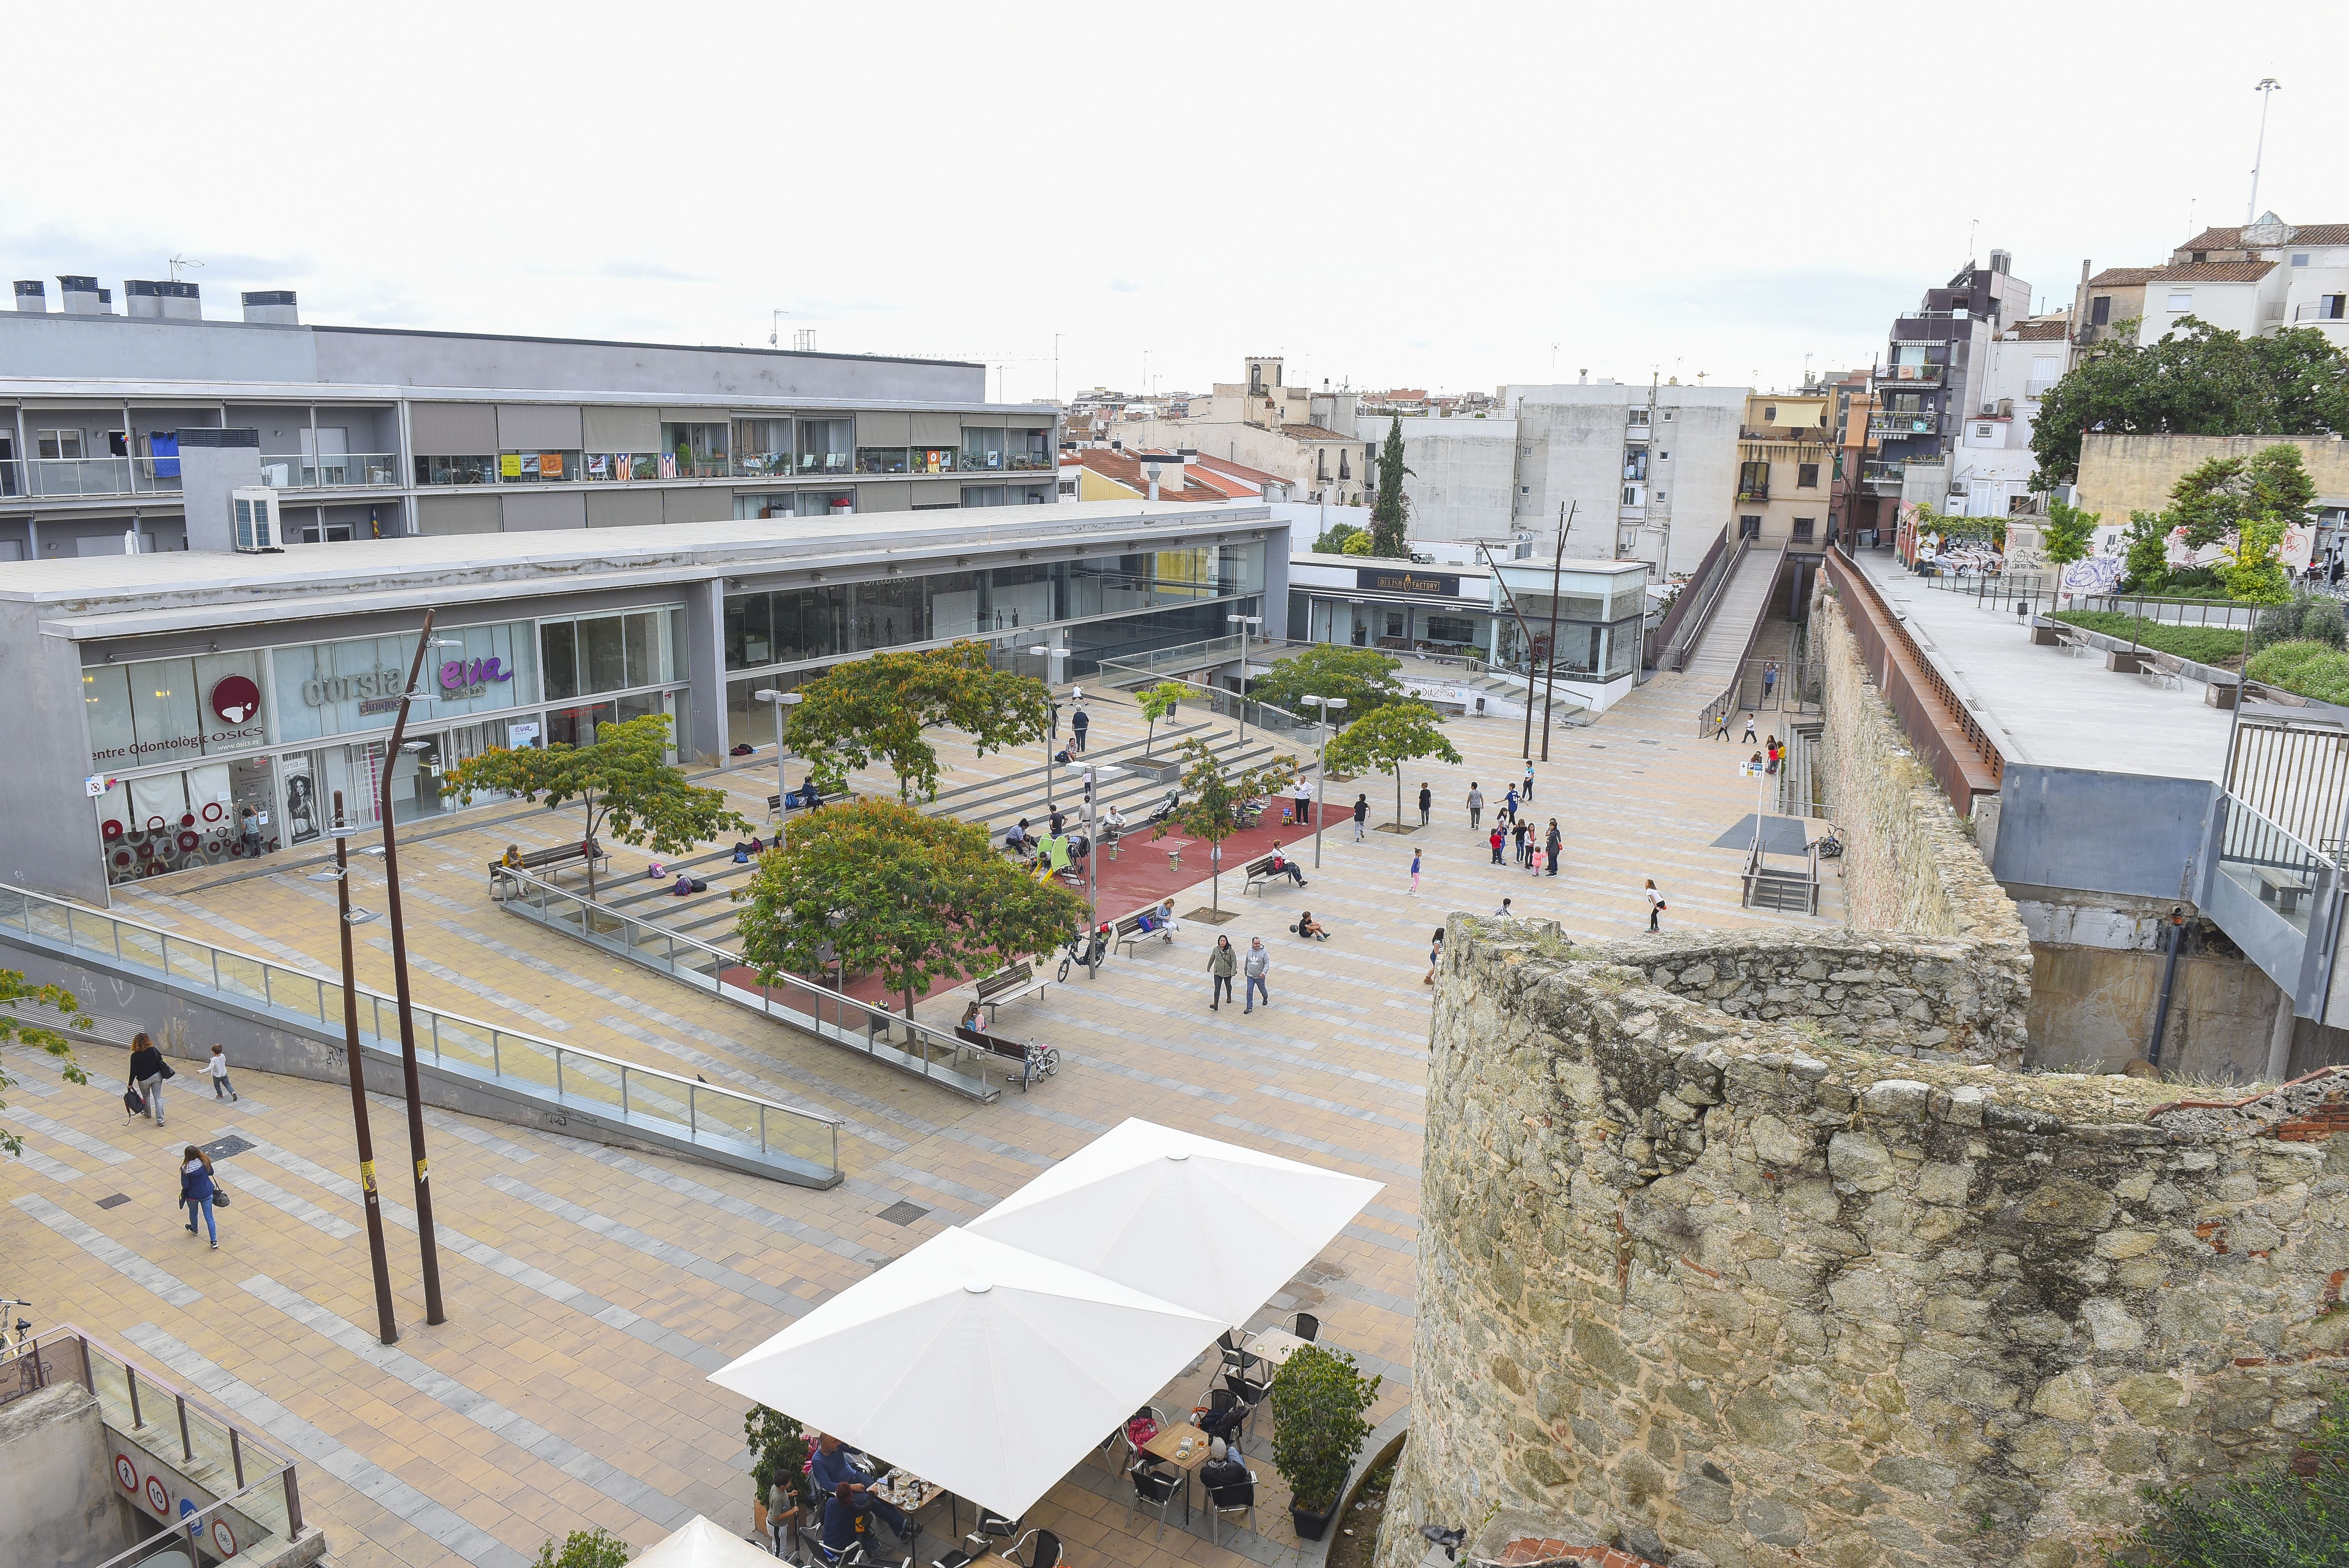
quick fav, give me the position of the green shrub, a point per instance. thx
(1318, 1401)
(2310, 669)
(596, 1548)
(2323, 623)
(2203, 644)
(779, 1449)
(2289, 622)
(2274, 1516)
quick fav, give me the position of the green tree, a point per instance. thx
(1211, 800)
(2148, 554)
(1332, 541)
(2250, 567)
(880, 706)
(778, 1448)
(2280, 1514)
(1319, 1406)
(1156, 703)
(1364, 676)
(889, 891)
(1385, 738)
(1359, 542)
(2197, 380)
(624, 782)
(1391, 511)
(2068, 534)
(597, 1548)
(20, 1001)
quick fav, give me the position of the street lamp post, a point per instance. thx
(781, 699)
(386, 1329)
(1244, 623)
(1328, 705)
(427, 1239)
(1052, 738)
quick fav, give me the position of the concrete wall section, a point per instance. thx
(57, 1481)
(534, 513)
(51, 833)
(95, 348)
(436, 359)
(2119, 474)
(1734, 1287)
(2102, 832)
(2092, 1012)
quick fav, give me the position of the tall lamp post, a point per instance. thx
(386, 1329)
(1329, 705)
(1052, 738)
(781, 699)
(1244, 623)
(427, 1238)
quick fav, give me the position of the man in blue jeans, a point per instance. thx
(1257, 966)
(836, 1477)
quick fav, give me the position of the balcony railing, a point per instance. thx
(762, 465)
(331, 470)
(1926, 375)
(2326, 309)
(1904, 425)
(1884, 478)
(64, 477)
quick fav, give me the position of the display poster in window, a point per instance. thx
(509, 465)
(519, 736)
(549, 465)
(302, 823)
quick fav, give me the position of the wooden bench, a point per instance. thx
(2164, 670)
(1035, 1061)
(1128, 931)
(550, 860)
(1260, 872)
(1008, 985)
(775, 802)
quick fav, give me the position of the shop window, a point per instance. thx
(558, 659)
(1457, 630)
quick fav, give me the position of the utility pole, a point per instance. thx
(1549, 676)
(386, 1329)
(426, 1237)
(2269, 87)
(1524, 631)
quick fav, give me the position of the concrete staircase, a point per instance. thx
(1743, 605)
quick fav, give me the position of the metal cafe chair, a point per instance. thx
(1156, 1488)
(1232, 1498)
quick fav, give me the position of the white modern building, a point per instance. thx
(1991, 464)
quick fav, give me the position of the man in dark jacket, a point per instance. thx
(147, 1073)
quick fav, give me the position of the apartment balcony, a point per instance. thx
(1932, 327)
(1893, 425)
(1754, 492)
(1882, 478)
(63, 478)
(1909, 375)
(2329, 308)
(331, 470)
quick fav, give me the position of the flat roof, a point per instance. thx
(109, 391)
(94, 596)
(2046, 707)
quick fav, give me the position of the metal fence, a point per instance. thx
(2272, 863)
(259, 1507)
(698, 1112)
(1959, 751)
(869, 1028)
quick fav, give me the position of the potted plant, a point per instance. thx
(778, 1452)
(1319, 1398)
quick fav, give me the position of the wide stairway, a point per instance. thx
(1743, 605)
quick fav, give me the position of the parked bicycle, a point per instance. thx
(1088, 949)
(14, 1337)
(1829, 844)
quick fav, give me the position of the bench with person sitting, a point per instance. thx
(1035, 1061)
(1157, 920)
(1008, 984)
(1270, 867)
(552, 859)
(806, 798)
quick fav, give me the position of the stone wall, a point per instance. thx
(1909, 864)
(1733, 1292)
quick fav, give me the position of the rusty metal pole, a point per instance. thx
(1549, 675)
(386, 1329)
(427, 1241)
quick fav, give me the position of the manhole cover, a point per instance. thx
(228, 1147)
(114, 1199)
(903, 1213)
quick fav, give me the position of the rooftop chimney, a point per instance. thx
(82, 295)
(161, 299)
(2001, 261)
(272, 307)
(31, 295)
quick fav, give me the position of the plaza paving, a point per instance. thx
(590, 1290)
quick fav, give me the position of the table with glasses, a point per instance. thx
(1169, 1448)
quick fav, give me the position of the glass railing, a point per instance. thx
(872, 1029)
(1904, 425)
(259, 1507)
(609, 468)
(333, 470)
(1926, 374)
(2273, 864)
(826, 463)
(762, 465)
(1031, 461)
(62, 477)
(696, 1112)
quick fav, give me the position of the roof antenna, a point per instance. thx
(179, 261)
(775, 327)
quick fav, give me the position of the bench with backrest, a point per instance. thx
(1263, 871)
(550, 861)
(1035, 1061)
(1128, 931)
(2163, 670)
(836, 798)
(1008, 984)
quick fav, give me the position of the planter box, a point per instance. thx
(1309, 1526)
(2218, 695)
(1152, 768)
(2124, 662)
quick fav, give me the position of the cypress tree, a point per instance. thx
(1391, 510)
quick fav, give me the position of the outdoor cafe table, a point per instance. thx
(1168, 1443)
(910, 1494)
(1276, 1346)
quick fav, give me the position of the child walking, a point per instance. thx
(1655, 903)
(1414, 871)
(218, 1069)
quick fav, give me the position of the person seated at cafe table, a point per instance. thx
(1224, 1467)
(833, 1473)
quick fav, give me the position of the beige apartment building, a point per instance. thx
(1785, 469)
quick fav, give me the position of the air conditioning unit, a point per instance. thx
(253, 508)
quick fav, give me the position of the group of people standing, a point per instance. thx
(1536, 850)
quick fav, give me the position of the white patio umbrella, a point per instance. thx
(701, 1543)
(1210, 1225)
(985, 1369)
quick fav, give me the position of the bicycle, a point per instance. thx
(1829, 845)
(23, 1329)
(1088, 949)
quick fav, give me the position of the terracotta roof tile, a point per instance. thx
(2302, 234)
(2213, 273)
(1127, 470)
(2043, 331)
(1237, 471)
(2123, 277)
(1312, 433)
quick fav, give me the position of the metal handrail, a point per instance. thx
(648, 1092)
(1953, 707)
(1693, 627)
(280, 1466)
(852, 1023)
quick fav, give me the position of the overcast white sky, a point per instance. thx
(1450, 196)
